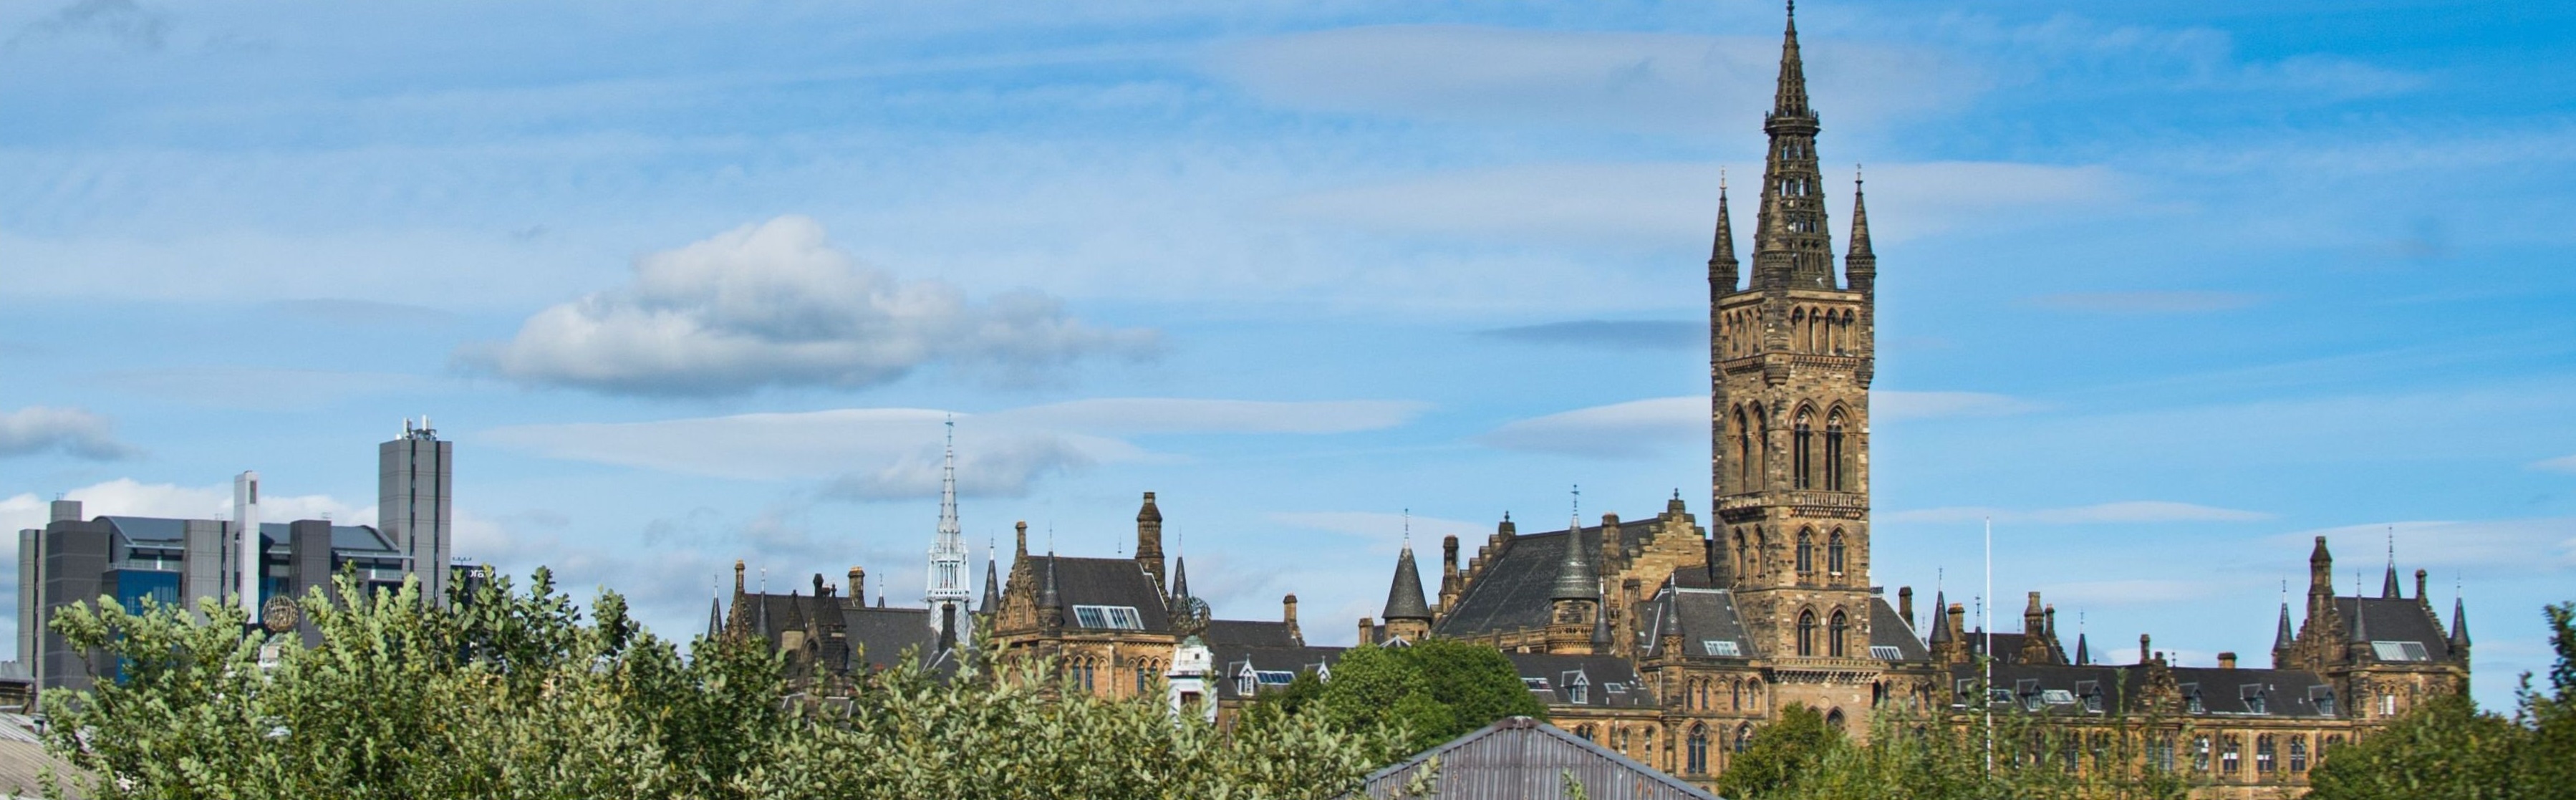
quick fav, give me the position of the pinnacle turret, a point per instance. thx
(2459, 627)
(1860, 265)
(1722, 266)
(1576, 579)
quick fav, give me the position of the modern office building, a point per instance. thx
(414, 505)
(173, 561)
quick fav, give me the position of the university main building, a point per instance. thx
(1671, 638)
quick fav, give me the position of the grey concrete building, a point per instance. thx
(415, 506)
(127, 559)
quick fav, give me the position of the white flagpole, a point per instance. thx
(1988, 610)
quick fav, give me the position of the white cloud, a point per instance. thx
(2131, 591)
(127, 497)
(1634, 81)
(1655, 204)
(2559, 464)
(79, 432)
(898, 449)
(2128, 511)
(777, 304)
(1642, 427)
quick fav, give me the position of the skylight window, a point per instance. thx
(1886, 652)
(2400, 651)
(2057, 697)
(1117, 618)
(1723, 648)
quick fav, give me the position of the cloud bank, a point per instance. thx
(1608, 334)
(39, 429)
(777, 304)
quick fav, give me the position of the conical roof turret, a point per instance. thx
(2459, 625)
(2281, 633)
(1576, 579)
(1404, 593)
(1722, 266)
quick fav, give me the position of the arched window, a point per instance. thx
(1761, 460)
(1802, 442)
(2228, 750)
(2263, 752)
(1834, 636)
(1743, 736)
(1834, 718)
(1806, 554)
(1743, 452)
(1619, 739)
(1834, 452)
(1799, 327)
(1698, 750)
(1743, 557)
(1834, 554)
(1806, 633)
(1587, 733)
(2298, 753)
(1739, 694)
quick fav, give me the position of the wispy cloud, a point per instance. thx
(2145, 302)
(777, 304)
(1380, 525)
(79, 432)
(2559, 464)
(896, 451)
(1633, 81)
(1608, 334)
(2124, 512)
(1639, 428)
(2517, 545)
(120, 22)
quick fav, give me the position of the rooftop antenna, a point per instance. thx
(1986, 612)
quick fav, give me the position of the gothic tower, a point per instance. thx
(946, 591)
(1790, 366)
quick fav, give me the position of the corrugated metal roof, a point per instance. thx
(1521, 758)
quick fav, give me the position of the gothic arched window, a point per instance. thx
(1834, 554)
(1834, 451)
(1806, 554)
(1739, 695)
(1834, 635)
(1802, 440)
(2298, 753)
(1698, 750)
(1743, 736)
(1743, 451)
(1806, 633)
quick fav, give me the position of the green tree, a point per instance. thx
(1780, 752)
(515, 695)
(2442, 749)
(2548, 765)
(1433, 690)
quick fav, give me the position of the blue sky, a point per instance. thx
(2166, 288)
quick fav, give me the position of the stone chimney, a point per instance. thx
(859, 584)
(1368, 631)
(2227, 660)
(1905, 604)
(1288, 614)
(2143, 642)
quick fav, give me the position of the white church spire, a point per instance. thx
(947, 591)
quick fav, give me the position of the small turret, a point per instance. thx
(2460, 629)
(1723, 269)
(1860, 265)
(1050, 603)
(2282, 637)
(1407, 616)
(1149, 540)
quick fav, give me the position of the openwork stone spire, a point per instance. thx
(1791, 248)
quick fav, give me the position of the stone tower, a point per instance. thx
(1790, 366)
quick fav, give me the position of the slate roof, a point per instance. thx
(1231, 661)
(2286, 694)
(881, 636)
(1249, 633)
(1609, 681)
(1701, 616)
(1104, 582)
(1520, 758)
(1513, 592)
(1404, 592)
(2394, 620)
(1889, 629)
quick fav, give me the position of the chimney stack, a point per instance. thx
(1368, 631)
(859, 584)
(2143, 641)
(1905, 604)
(2227, 660)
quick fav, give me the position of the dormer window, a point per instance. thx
(2191, 699)
(2324, 698)
(2252, 694)
(1579, 690)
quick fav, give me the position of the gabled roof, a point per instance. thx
(880, 637)
(1705, 618)
(1608, 681)
(1105, 582)
(1889, 629)
(1514, 589)
(1520, 758)
(1249, 633)
(2395, 620)
(1231, 661)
